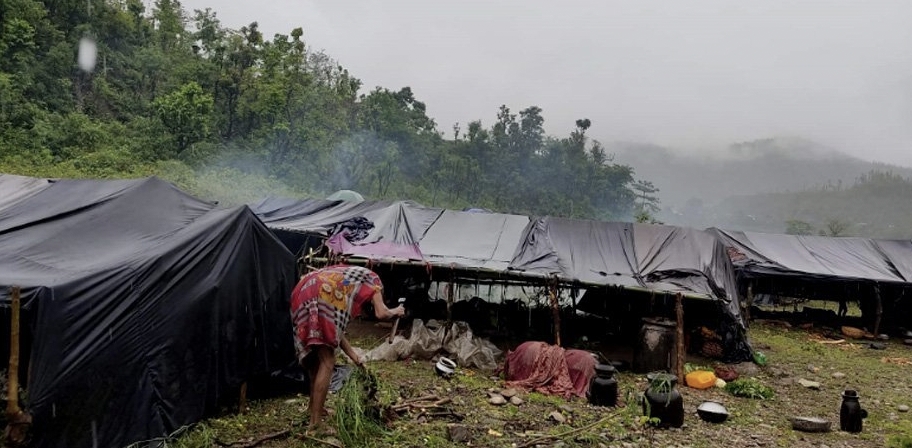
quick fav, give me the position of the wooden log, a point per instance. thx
(679, 337)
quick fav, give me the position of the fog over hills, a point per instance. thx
(761, 184)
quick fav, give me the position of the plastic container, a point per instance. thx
(700, 379)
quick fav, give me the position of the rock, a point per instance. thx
(883, 337)
(813, 369)
(779, 372)
(516, 400)
(566, 408)
(903, 408)
(838, 375)
(907, 341)
(459, 433)
(809, 384)
(508, 393)
(746, 368)
(557, 416)
(497, 400)
(878, 346)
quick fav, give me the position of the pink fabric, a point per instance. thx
(582, 369)
(542, 368)
(379, 250)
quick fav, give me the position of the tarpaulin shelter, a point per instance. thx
(469, 246)
(653, 257)
(827, 268)
(144, 305)
(401, 232)
(636, 256)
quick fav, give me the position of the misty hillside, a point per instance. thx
(762, 184)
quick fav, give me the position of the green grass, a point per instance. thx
(883, 386)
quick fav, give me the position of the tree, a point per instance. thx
(835, 227)
(645, 192)
(185, 113)
(798, 227)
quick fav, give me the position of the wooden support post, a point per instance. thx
(12, 401)
(449, 313)
(750, 303)
(555, 311)
(879, 310)
(18, 421)
(242, 400)
(679, 338)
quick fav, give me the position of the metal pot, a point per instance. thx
(445, 367)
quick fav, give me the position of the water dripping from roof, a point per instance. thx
(88, 54)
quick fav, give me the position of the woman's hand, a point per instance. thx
(398, 311)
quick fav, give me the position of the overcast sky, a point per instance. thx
(683, 74)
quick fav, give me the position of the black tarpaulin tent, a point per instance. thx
(818, 257)
(143, 305)
(402, 232)
(828, 268)
(655, 257)
(638, 256)
(470, 240)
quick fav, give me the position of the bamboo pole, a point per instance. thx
(555, 311)
(679, 337)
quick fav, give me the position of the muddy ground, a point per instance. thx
(883, 378)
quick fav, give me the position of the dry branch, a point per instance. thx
(325, 442)
(539, 440)
(256, 442)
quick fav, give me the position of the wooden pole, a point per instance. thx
(449, 312)
(18, 422)
(879, 309)
(750, 303)
(555, 311)
(679, 338)
(12, 400)
(242, 400)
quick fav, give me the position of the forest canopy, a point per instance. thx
(234, 115)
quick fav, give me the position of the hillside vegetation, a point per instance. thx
(234, 115)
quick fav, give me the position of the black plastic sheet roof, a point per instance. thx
(654, 257)
(144, 305)
(819, 258)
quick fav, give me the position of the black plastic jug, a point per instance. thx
(850, 413)
(603, 389)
